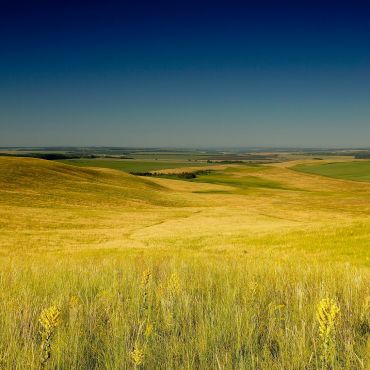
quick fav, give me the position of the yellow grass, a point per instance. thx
(233, 274)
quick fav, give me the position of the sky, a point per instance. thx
(185, 74)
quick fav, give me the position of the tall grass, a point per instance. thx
(162, 312)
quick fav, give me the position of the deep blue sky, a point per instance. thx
(180, 73)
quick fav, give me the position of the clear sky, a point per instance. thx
(183, 73)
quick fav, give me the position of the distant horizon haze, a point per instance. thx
(187, 148)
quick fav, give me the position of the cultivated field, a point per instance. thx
(353, 170)
(247, 267)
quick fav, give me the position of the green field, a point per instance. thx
(240, 179)
(248, 267)
(132, 165)
(356, 170)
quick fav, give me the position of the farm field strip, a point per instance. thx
(353, 170)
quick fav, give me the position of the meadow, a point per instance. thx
(247, 267)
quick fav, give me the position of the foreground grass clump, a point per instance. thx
(183, 312)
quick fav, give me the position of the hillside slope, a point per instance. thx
(27, 181)
(51, 206)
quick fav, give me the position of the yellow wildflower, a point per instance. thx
(137, 355)
(326, 314)
(49, 320)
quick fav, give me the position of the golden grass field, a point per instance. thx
(249, 267)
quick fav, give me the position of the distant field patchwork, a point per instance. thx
(356, 171)
(132, 165)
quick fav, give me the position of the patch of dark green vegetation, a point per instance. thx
(180, 175)
(49, 156)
